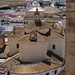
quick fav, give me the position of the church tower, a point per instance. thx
(37, 15)
(37, 18)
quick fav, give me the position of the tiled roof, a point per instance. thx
(52, 10)
(40, 38)
(32, 25)
(21, 13)
(48, 20)
(14, 66)
(12, 2)
(18, 33)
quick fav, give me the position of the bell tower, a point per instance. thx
(37, 15)
(37, 18)
(33, 36)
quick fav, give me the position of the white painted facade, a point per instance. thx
(35, 3)
(37, 47)
(9, 28)
(63, 2)
(3, 22)
(13, 46)
(16, 21)
(59, 47)
(29, 2)
(63, 23)
(32, 51)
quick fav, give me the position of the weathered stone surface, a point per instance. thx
(70, 22)
(70, 6)
(70, 0)
(70, 38)
(70, 64)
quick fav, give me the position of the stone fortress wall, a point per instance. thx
(70, 38)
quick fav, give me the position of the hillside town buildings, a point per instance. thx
(63, 2)
(32, 38)
(12, 3)
(38, 48)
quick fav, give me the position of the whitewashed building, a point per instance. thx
(30, 13)
(63, 2)
(35, 3)
(29, 2)
(17, 21)
(4, 21)
(40, 49)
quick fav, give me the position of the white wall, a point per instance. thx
(13, 46)
(63, 23)
(59, 1)
(32, 51)
(29, 3)
(18, 18)
(4, 23)
(59, 47)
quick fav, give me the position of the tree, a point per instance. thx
(41, 3)
(5, 8)
(57, 4)
(49, 3)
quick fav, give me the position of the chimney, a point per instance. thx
(25, 33)
(53, 24)
(14, 30)
(62, 30)
(3, 39)
(49, 31)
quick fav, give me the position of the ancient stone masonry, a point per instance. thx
(70, 0)
(70, 38)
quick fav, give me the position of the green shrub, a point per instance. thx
(49, 3)
(41, 3)
(5, 8)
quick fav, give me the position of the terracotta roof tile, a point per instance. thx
(15, 67)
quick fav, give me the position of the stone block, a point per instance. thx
(70, 6)
(70, 64)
